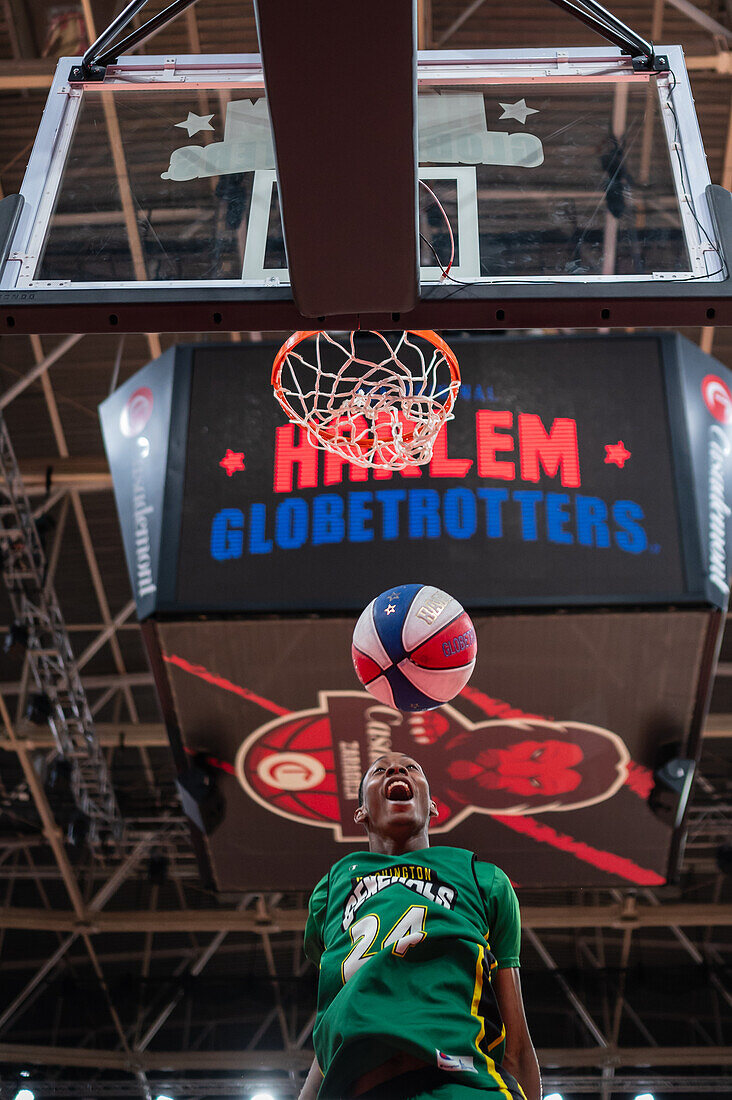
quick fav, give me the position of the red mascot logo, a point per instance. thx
(308, 766)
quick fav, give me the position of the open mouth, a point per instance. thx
(398, 789)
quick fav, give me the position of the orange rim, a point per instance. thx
(298, 337)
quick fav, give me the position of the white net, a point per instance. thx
(373, 402)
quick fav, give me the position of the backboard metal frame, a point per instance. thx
(263, 300)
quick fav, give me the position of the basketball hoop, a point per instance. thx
(379, 407)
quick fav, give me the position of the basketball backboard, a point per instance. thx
(574, 188)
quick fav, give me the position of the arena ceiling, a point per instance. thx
(122, 975)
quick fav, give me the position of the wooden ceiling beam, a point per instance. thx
(27, 74)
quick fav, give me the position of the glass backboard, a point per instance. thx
(561, 176)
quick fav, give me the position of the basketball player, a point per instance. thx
(418, 947)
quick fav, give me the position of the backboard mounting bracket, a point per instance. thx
(656, 63)
(613, 30)
(100, 54)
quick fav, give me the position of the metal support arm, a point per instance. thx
(599, 19)
(101, 53)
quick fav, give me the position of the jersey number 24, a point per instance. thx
(407, 931)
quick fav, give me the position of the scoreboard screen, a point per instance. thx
(553, 480)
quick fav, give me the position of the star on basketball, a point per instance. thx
(518, 110)
(390, 609)
(616, 453)
(195, 123)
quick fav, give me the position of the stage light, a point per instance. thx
(77, 831)
(58, 782)
(45, 524)
(198, 789)
(157, 867)
(554, 1096)
(25, 1094)
(38, 709)
(724, 859)
(263, 1096)
(17, 635)
(163, 1096)
(672, 780)
(645, 1096)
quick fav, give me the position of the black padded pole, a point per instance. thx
(341, 84)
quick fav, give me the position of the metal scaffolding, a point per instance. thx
(39, 627)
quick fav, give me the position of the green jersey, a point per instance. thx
(406, 948)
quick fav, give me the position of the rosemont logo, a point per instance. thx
(717, 398)
(291, 771)
(137, 412)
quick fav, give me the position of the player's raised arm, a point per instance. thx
(520, 1057)
(312, 1082)
(504, 934)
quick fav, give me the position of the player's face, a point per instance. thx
(396, 795)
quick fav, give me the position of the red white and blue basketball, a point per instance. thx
(414, 647)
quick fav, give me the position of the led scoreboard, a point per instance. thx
(555, 481)
(578, 505)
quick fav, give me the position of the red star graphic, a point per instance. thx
(232, 462)
(616, 452)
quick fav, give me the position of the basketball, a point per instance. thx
(414, 647)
